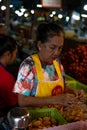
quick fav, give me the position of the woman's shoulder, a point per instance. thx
(28, 62)
(26, 66)
(6, 76)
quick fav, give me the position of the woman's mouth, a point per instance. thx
(54, 57)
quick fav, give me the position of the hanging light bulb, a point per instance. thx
(85, 7)
(3, 7)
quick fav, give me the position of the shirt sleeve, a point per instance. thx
(62, 70)
(24, 82)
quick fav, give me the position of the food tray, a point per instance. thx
(75, 84)
(49, 112)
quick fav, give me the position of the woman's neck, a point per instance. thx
(3, 62)
(44, 61)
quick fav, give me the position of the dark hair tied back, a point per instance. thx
(48, 30)
(7, 43)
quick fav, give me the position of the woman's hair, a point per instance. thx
(48, 30)
(7, 43)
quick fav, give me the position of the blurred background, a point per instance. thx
(72, 14)
(23, 16)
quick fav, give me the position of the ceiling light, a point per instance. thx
(53, 12)
(85, 7)
(32, 11)
(26, 15)
(39, 5)
(84, 15)
(60, 16)
(67, 18)
(3, 7)
(22, 9)
(51, 15)
(11, 6)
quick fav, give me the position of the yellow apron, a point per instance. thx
(48, 88)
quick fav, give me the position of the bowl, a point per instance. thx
(18, 117)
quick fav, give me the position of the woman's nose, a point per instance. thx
(56, 51)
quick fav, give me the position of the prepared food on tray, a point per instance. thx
(44, 122)
(45, 118)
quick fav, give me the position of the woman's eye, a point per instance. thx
(52, 48)
(60, 48)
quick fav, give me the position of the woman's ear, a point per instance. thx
(7, 53)
(39, 45)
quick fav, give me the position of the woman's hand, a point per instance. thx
(80, 94)
(66, 99)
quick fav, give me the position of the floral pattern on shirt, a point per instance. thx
(27, 81)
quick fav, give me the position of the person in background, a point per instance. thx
(12, 68)
(3, 29)
(8, 51)
(40, 78)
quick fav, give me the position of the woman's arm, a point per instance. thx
(29, 101)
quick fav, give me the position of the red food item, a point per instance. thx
(75, 63)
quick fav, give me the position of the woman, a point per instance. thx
(8, 51)
(40, 79)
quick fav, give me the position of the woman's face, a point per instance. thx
(13, 56)
(51, 49)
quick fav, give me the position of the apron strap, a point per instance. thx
(57, 67)
(38, 67)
